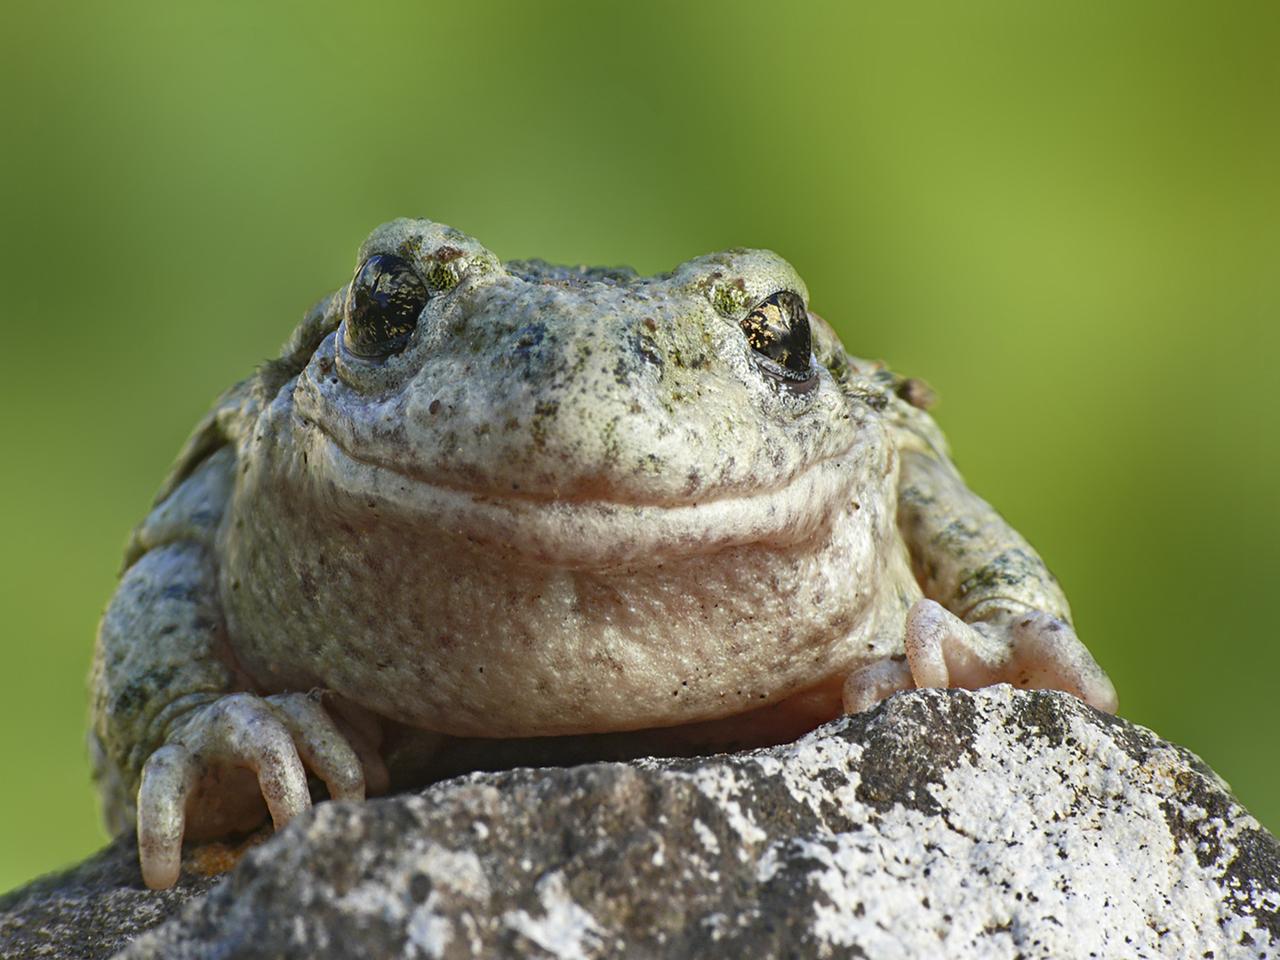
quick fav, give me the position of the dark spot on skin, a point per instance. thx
(1007, 569)
(915, 496)
(184, 592)
(647, 350)
(410, 247)
(916, 392)
(528, 337)
(141, 690)
(434, 407)
(956, 531)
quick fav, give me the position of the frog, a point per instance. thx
(476, 502)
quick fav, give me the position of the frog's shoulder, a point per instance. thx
(238, 404)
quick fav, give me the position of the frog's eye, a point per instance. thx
(778, 331)
(383, 303)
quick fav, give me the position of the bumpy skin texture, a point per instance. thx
(556, 502)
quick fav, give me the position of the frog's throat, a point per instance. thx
(590, 533)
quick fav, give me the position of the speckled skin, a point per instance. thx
(573, 503)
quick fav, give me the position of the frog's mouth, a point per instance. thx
(593, 533)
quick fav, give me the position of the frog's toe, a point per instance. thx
(322, 746)
(243, 730)
(168, 780)
(1046, 653)
(930, 630)
(944, 651)
(941, 651)
(866, 687)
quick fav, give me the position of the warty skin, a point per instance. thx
(483, 500)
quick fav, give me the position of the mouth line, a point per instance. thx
(582, 531)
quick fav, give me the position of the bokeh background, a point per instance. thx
(1065, 217)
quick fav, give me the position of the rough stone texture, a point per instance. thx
(90, 911)
(998, 823)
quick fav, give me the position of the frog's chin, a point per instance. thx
(596, 533)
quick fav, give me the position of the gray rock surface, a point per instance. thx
(93, 910)
(997, 823)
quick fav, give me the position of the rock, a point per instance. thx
(997, 823)
(91, 911)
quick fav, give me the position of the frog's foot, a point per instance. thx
(1030, 650)
(222, 760)
(868, 686)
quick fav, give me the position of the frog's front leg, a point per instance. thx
(182, 745)
(992, 614)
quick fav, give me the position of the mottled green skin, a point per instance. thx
(574, 503)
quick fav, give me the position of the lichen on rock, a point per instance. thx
(993, 823)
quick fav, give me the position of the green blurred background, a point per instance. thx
(1065, 217)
